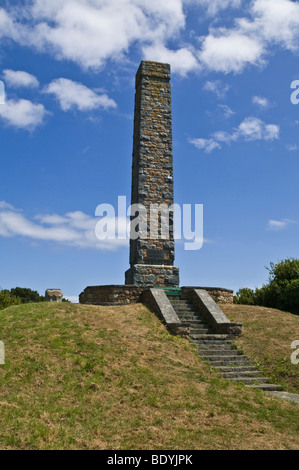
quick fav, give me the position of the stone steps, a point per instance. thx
(219, 350)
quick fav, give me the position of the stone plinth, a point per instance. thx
(153, 275)
(130, 294)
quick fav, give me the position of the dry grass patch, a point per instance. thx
(84, 377)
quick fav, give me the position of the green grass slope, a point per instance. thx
(86, 377)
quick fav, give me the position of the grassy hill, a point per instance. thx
(86, 377)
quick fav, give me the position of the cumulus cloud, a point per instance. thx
(249, 41)
(182, 60)
(72, 94)
(91, 32)
(22, 114)
(75, 229)
(230, 51)
(18, 78)
(250, 129)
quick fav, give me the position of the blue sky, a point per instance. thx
(66, 133)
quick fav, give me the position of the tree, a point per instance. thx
(27, 295)
(7, 299)
(244, 296)
(281, 291)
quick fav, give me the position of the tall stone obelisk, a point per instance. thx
(152, 260)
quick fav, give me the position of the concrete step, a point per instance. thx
(243, 373)
(201, 329)
(267, 387)
(213, 347)
(194, 332)
(212, 336)
(228, 361)
(211, 342)
(236, 369)
(184, 308)
(195, 325)
(220, 352)
(187, 315)
(251, 380)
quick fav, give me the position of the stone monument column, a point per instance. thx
(152, 259)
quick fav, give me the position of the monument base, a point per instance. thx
(123, 295)
(147, 275)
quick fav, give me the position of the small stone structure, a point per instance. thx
(53, 295)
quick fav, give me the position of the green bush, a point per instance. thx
(244, 296)
(7, 299)
(281, 291)
(18, 295)
(27, 295)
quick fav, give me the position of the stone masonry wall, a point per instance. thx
(152, 171)
(218, 294)
(130, 294)
(107, 295)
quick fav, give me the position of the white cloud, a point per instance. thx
(227, 111)
(276, 225)
(75, 229)
(22, 114)
(72, 298)
(277, 21)
(217, 87)
(261, 101)
(18, 78)
(5, 205)
(255, 129)
(292, 147)
(208, 145)
(250, 129)
(91, 32)
(182, 60)
(230, 51)
(72, 94)
(249, 41)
